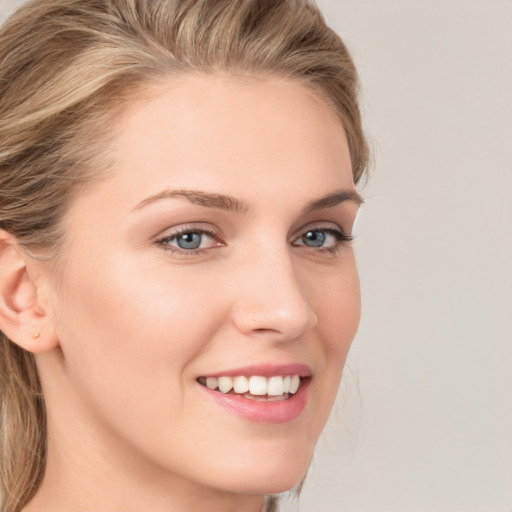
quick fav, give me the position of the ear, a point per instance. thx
(23, 319)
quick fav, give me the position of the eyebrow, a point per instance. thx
(218, 201)
(228, 203)
(334, 199)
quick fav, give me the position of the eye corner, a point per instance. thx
(189, 240)
(323, 238)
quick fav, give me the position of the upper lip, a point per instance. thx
(265, 370)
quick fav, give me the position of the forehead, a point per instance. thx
(242, 121)
(239, 136)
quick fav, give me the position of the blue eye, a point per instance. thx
(189, 241)
(314, 238)
(328, 239)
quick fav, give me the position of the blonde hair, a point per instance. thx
(67, 67)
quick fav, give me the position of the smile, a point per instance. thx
(255, 387)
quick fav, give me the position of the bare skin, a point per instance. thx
(136, 314)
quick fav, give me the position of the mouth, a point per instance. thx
(255, 387)
(263, 394)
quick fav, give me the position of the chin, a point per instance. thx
(274, 475)
(267, 484)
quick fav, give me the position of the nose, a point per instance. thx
(271, 302)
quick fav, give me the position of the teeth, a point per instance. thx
(275, 386)
(211, 383)
(294, 384)
(225, 384)
(255, 385)
(241, 385)
(286, 384)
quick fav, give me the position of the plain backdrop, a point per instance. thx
(424, 421)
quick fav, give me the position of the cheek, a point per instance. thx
(336, 301)
(125, 326)
(128, 348)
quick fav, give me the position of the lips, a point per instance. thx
(270, 394)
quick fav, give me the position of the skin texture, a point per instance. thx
(135, 323)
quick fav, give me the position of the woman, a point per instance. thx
(178, 291)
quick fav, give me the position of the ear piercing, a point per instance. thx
(36, 335)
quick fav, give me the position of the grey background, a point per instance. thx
(424, 421)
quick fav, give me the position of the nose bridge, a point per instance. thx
(270, 299)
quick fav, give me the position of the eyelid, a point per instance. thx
(329, 227)
(341, 239)
(196, 227)
(200, 228)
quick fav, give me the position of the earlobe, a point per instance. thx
(22, 319)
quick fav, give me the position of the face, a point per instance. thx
(216, 254)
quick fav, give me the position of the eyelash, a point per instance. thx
(341, 238)
(164, 242)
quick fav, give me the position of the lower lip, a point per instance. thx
(279, 411)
